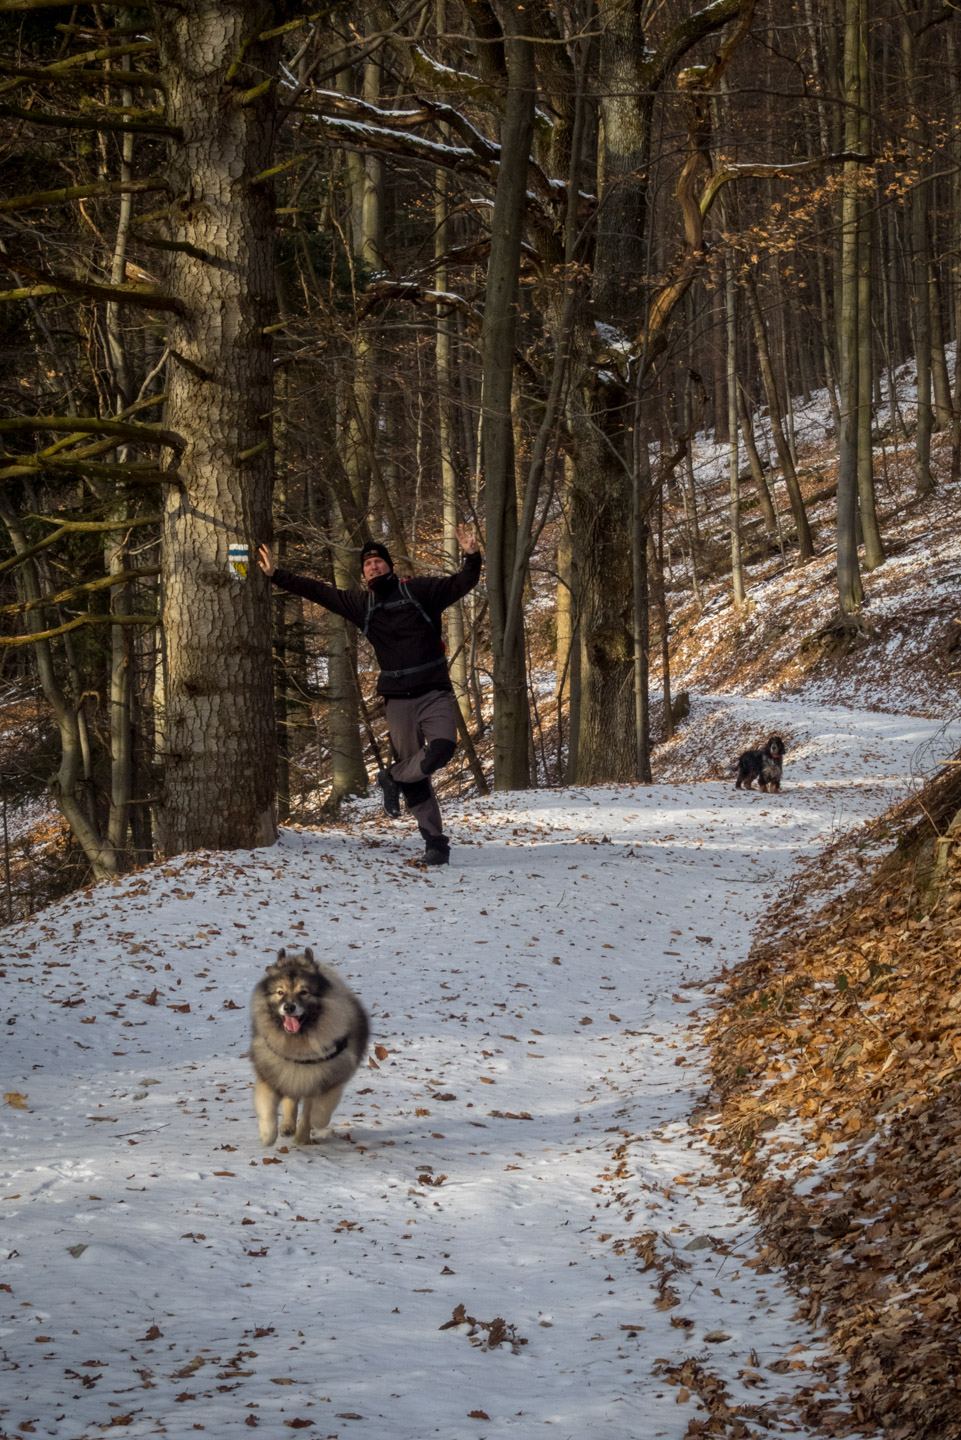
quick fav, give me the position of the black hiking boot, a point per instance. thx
(438, 850)
(390, 794)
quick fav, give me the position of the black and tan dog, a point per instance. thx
(309, 1033)
(764, 766)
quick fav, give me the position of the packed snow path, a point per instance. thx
(526, 1116)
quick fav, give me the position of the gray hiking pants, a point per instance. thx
(412, 724)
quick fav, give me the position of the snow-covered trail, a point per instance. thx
(521, 1145)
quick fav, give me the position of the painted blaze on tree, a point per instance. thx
(218, 729)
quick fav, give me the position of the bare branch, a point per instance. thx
(99, 78)
(41, 635)
(75, 62)
(350, 107)
(688, 33)
(87, 587)
(758, 171)
(48, 284)
(383, 291)
(92, 122)
(93, 425)
(65, 527)
(77, 192)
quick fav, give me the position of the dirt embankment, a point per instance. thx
(837, 1058)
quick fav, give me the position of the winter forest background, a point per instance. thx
(374, 269)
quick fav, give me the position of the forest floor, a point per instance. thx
(836, 1047)
(694, 1160)
(530, 1210)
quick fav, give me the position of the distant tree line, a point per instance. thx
(322, 275)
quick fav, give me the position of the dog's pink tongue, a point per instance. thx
(291, 1023)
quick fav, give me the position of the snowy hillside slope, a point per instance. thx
(905, 653)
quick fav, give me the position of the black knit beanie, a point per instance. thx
(373, 547)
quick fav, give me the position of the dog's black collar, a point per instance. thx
(336, 1049)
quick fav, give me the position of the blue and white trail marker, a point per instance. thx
(237, 560)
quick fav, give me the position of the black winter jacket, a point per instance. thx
(409, 648)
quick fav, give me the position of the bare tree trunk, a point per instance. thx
(454, 616)
(719, 396)
(611, 735)
(285, 605)
(923, 478)
(737, 567)
(372, 204)
(564, 607)
(955, 286)
(867, 507)
(920, 245)
(118, 678)
(118, 692)
(805, 543)
(219, 730)
(850, 593)
(784, 376)
(357, 433)
(660, 591)
(688, 485)
(348, 772)
(567, 661)
(641, 495)
(939, 363)
(692, 416)
(754, 461)
(827, 328)
(511, 721)
(828, 331)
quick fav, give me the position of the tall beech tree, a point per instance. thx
(850, 590)
(625, 305)
(498, 339)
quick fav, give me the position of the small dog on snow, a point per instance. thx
(764, 766)
(309, 1033)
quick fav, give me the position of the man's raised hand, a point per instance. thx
(466, 539)
(265, 560)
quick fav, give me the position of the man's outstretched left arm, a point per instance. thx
(467, 539)
(453, 587)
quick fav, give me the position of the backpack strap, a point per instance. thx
(411, 600)
(371, 606)
(407, 599)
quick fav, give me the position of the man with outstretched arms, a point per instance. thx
(401, 619)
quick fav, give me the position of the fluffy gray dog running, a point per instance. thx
(309, 1033)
